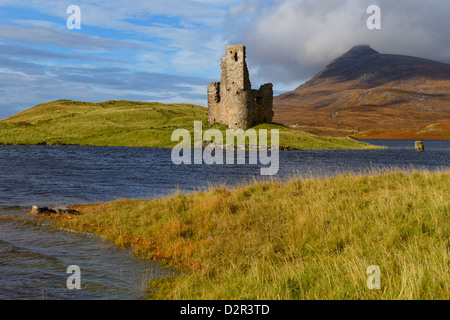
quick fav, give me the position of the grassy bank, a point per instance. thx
(133, 124)
(305, 239)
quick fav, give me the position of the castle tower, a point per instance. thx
(232, 101)
(234, 89)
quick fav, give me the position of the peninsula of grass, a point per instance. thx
(304, 239)
(131, 124)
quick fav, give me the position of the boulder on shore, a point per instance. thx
(53, 210)
(419, 146)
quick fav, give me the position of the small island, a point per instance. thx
(133, 124)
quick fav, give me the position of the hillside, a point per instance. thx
(436, 131)
(134, 124)
(364, 90)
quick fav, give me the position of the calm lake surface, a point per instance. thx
(34, 257)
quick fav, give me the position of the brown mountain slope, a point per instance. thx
(364, 90)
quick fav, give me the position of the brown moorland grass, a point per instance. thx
(307, 238)
(437, 131)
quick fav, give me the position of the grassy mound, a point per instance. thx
(133, 124)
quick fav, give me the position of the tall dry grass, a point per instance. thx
(305, 239)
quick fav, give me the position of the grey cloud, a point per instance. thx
(20, 66)
(291, 40)
(118, 78)
(116, 11)
(125, 79)
(21, 52)
(61, 38)
(89, 84)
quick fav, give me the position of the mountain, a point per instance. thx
(364, 90)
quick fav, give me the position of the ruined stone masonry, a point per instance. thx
(232, 101)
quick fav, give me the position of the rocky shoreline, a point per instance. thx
(209, 145)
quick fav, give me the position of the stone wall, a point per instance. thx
(232, 101)
(266, 92)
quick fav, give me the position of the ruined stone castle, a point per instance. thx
(232, 101)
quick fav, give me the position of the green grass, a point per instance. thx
(133, 124)
(304, 239)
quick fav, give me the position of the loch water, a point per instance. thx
(34, 256)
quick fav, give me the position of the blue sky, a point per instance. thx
(165, 51)
(170, 50)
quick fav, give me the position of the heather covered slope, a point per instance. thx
(435, 131)
(364, 90)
